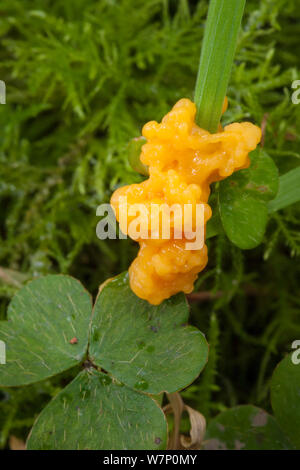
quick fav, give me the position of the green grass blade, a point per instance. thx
(219, 44)
(289, 191)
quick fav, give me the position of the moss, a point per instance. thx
(82, 77)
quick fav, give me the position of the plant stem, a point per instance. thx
(219, 44)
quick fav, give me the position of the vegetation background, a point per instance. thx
(82, 78)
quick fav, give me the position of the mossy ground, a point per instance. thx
(82, 77)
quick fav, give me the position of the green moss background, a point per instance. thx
(82, 77)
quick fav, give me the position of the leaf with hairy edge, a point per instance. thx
(285, 396)
(94, 412)
(243, 199)
(245, 427)
(47, 330)
(149, 348)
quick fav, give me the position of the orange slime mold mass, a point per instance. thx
(183, 161)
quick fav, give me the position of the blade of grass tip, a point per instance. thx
(134, 149)
(217, 53)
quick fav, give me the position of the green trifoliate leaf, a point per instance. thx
(245, 427)
(285, 396)
(149, 348)
(243, 199)
(47, 330)
(93, 412)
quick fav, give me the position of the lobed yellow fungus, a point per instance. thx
(183, 161)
